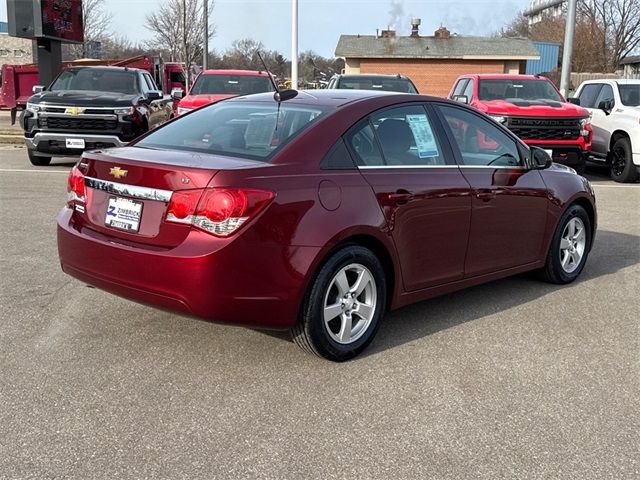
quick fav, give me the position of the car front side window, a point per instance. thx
(480, 142)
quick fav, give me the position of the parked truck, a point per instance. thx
(615, 115)
(87, 108)
(532, 108)
(18, 81)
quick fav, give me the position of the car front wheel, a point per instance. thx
(37, 160)
(569, 248)
(344, 305)
(622, 168)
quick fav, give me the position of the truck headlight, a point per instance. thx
(585, 127)
(499, 118)
(32, 107)
(123, 111)
(182, 111)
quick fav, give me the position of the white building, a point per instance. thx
(539, 9)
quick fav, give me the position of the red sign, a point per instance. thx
(62, 20)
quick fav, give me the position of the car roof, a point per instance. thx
(106, 68)
(504, 76)
(248, 73)
(371, 75)
(334, 98)
(619, 81)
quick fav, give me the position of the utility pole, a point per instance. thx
(205, 45)
(568, 47)
(294, 44)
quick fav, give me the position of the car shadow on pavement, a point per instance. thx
(612, 252)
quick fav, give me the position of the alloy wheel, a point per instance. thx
(618, 161)
(572, 244)
(349, 303)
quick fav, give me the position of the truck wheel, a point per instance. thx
(38, 161)
(342, 310)
(622, 168)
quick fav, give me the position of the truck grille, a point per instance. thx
(545, 128)
(77, 123)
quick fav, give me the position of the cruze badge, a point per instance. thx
(74, 110)
(118, 172)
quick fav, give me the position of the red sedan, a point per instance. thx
(319, 213)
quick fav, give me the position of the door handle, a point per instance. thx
(485, 194)
(401, 197)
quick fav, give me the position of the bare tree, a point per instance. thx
(121, 47)
(178, 28)
(619, 21)
(97, 26)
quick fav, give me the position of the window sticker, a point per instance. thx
(425, 141)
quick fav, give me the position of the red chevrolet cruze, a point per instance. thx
(319, 213)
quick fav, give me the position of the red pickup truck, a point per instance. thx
(532, 108)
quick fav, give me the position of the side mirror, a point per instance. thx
(461, 98)
(541, 159)
(37, 88)
(606, 106)
(574, 100)
(177, 93)
(153, 95)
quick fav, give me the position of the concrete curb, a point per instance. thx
(11, 139)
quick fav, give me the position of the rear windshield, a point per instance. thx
(505, 89)
(231, 85)
(630, 95)
(239, 129)
(376, 83)
(117, 81)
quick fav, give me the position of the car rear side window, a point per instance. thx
(481, 143)
(249, 130)
(589, 94)
(405, 135)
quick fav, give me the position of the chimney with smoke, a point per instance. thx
(388, 33)
(443, 33)
(415, 24)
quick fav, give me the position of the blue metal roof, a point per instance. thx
(549, 53)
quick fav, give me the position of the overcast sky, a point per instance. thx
(322, 21)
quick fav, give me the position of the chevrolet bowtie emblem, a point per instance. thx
(118, 172)
(74, 110)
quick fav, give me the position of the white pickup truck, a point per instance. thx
(615, 117)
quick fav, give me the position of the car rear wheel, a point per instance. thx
(569, 247)
(622, 168)
(37, 160)
(344, 305)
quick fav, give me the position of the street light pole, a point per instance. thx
(294, 44)
(205, 40)
(568, 47)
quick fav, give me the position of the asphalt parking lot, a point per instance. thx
(513, 379)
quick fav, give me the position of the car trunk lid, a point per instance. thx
(128, 191)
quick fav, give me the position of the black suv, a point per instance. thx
(86, 108)
(363, 81)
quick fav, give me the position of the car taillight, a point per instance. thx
(75, 186)
(219, 211)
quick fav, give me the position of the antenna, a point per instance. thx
(279, 96)
(273, 82)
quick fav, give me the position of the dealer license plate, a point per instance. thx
(123, 214)
(75, 142)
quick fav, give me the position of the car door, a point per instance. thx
(588, 95)
(425, 199)
(601, 120)
(509, 200)
(157, 112)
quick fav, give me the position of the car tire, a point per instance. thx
(37, 160)
(581, 166)
(343, 306)
(569, 247)
(622, 168)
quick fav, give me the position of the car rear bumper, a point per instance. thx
(229, 282)
(47, 144)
